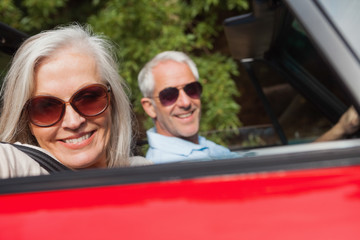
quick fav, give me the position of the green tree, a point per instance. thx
(143, 28)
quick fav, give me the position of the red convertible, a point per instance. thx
(288, 191)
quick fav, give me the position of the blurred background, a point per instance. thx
(141, 29)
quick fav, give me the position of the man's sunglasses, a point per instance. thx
(168, 96)
(89, 101)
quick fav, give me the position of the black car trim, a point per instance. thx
(314, 159)
(10, 39)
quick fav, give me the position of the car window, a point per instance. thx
(303, 91)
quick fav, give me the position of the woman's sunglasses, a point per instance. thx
(89, 101)
(168, 96)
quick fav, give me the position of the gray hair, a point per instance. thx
(146, 77)
(19, 86)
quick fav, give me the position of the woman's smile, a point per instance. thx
(74, 140)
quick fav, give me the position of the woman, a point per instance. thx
(63, 94)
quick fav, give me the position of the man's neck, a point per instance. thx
(193, 139)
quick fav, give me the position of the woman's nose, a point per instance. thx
(72, 119)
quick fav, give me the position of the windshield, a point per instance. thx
(345, 16)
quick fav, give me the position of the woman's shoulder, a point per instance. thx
(139, 161)
(15, 163)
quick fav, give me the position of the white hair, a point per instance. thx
(19, 85)
(146, 77)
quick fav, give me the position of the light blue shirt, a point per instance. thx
(163, 149)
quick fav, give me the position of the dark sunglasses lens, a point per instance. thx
(45, 111)
(168, 96)
(91, 101)
(193, 90)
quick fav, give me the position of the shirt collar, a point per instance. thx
(172, 144)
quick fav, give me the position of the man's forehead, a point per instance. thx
(172, 73)
(166, 63)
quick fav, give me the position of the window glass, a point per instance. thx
(300, 48)
(301, 120)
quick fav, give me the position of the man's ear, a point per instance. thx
(148, 107)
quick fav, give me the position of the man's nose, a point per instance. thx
(72, 119)
(183, 100)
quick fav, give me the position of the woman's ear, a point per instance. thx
(148, 106)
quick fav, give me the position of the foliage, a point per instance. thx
(143, 28)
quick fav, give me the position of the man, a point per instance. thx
(169, 84)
